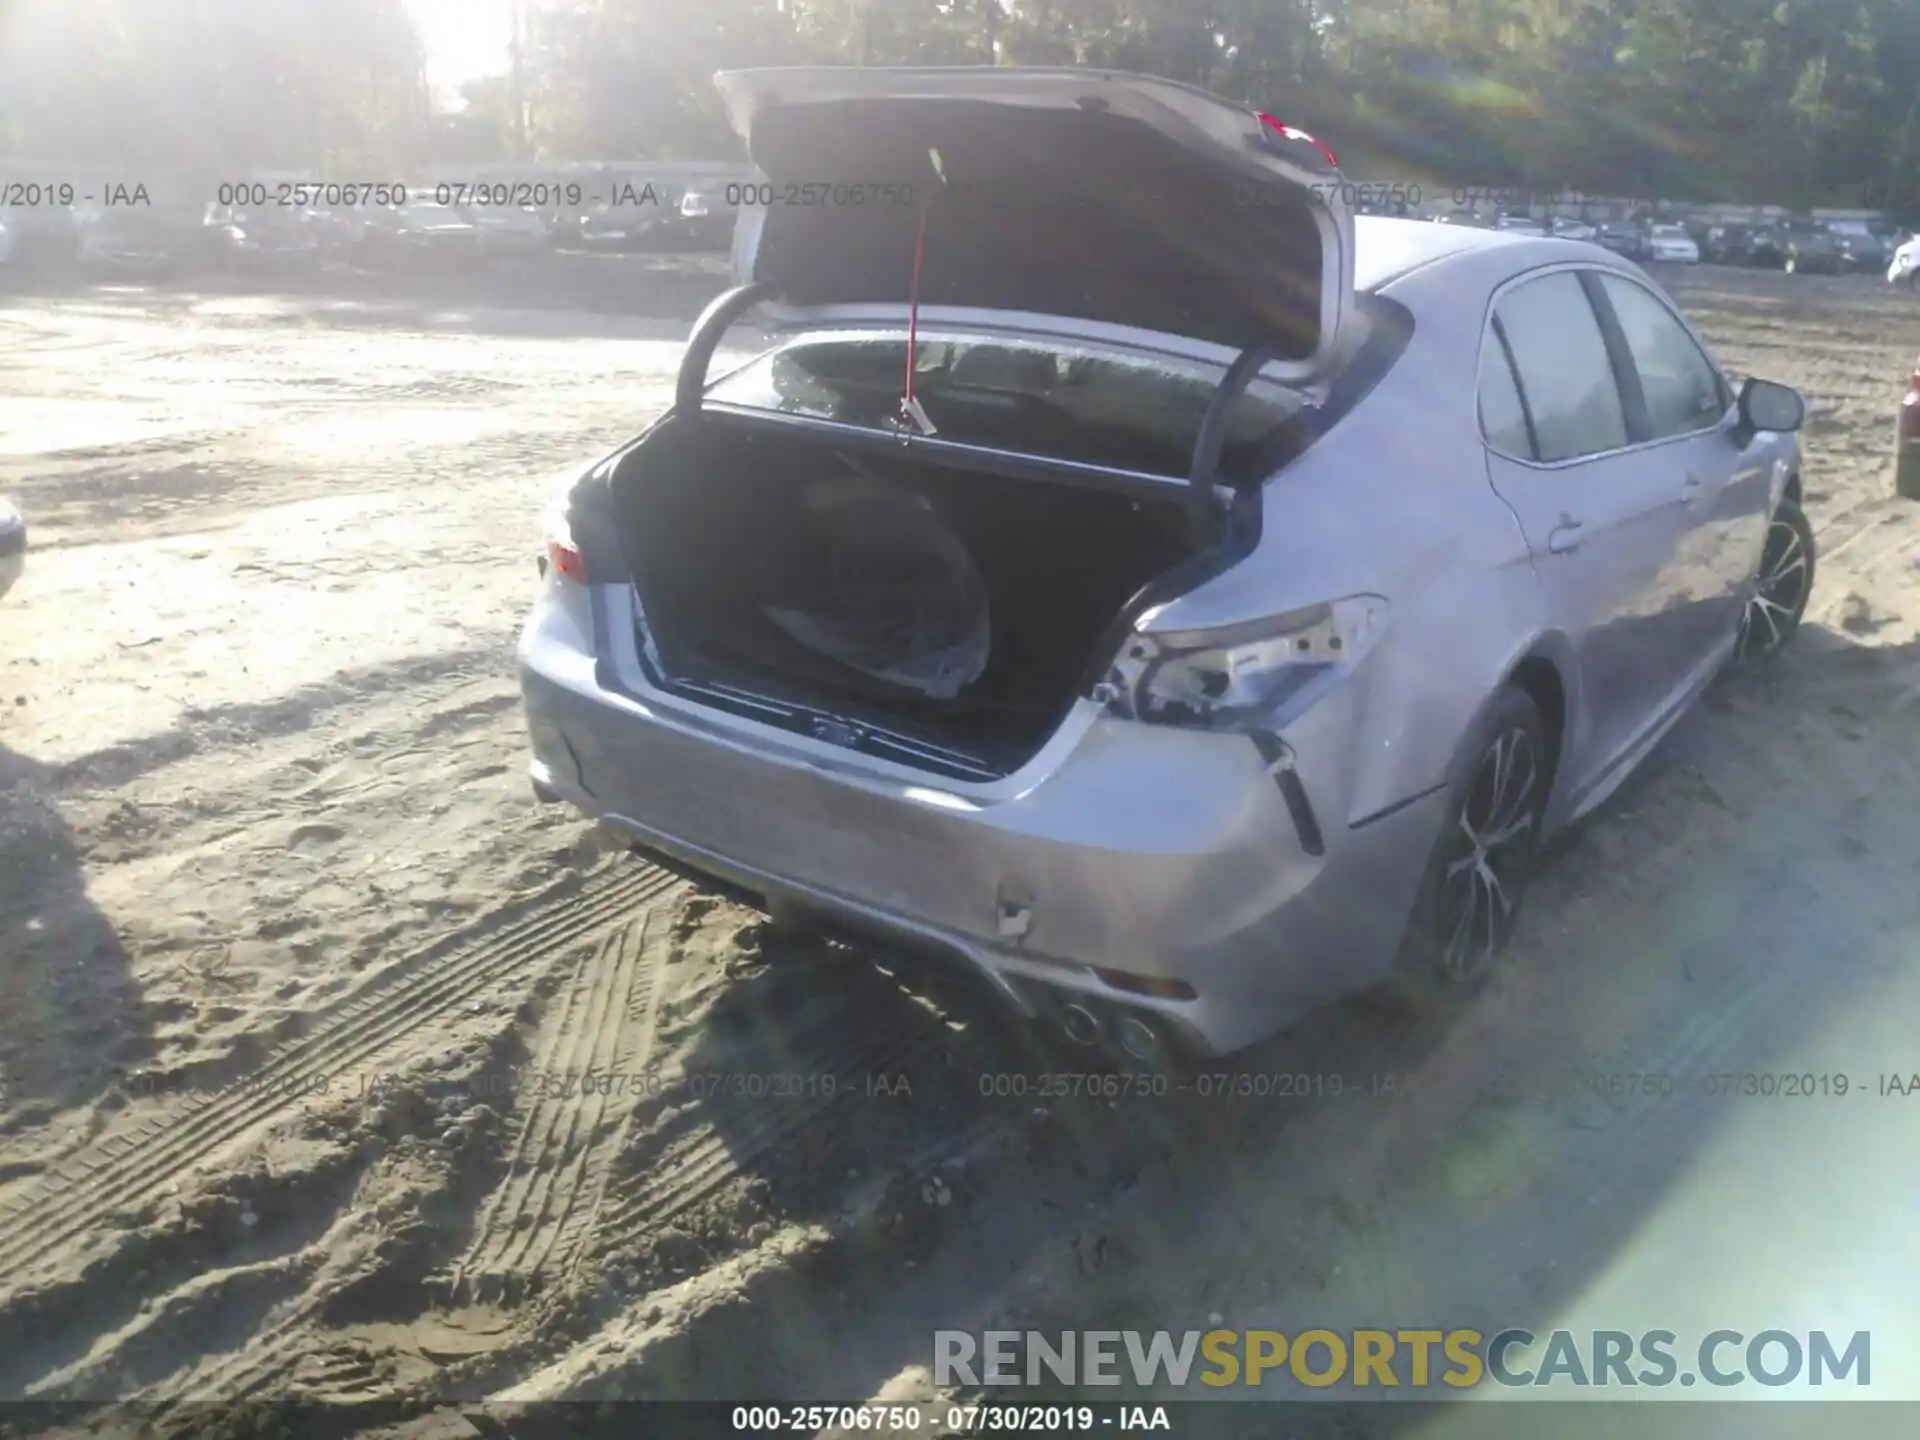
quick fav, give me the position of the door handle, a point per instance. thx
(1690, 492)
(1564, 539)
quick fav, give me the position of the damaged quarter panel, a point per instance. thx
(1392, 501)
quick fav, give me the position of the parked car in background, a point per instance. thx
(1565, 227)
(631, 224)
(420, 234)
(1624, 239)
(1520, 225)
(268, 239)
(1769, 245)
(1904, 266)
(36, 236)
(706, 220)
(1861, 251)
(336, 229)
(1809, 248)
(1244, 755)
(129, 242)
(1731, 245)
(1672, 245)
(13, 545)
(509, 230)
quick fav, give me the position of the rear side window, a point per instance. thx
(1503, 419)
(1682, 391)
(1093, 407)
(1564, 374)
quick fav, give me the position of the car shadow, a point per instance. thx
(71, 1017)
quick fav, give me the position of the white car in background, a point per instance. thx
(1906, 264)
(1672, 244)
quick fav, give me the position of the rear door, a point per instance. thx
(1602, 517)
(1680, 408)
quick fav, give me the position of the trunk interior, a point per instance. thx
(713, 525)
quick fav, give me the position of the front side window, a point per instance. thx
(1682, 391)
(1564, 373)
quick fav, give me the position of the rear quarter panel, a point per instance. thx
(1395, 501)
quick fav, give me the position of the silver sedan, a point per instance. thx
(1175, 603)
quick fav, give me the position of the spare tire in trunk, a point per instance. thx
(873, 578)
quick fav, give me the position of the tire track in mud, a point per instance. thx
(129, 1168)
(850, 1051)
(873, 1030)
(537, 1219)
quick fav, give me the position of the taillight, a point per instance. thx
(1289, 132)
(563, 559)
(1246, 674)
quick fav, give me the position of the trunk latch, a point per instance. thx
(1014, 908)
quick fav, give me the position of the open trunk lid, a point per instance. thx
(1054, 201)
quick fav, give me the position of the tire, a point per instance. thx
(1783, 581)
(1463, 917)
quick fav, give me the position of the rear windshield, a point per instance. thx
(1091, 407)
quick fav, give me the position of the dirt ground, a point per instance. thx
(297, 983)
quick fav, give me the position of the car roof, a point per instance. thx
(1387, 248)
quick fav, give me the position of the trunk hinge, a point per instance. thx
(1203, 509)
(713, 324)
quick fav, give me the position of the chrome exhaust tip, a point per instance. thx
(1080, 1024)
(1141, 1041)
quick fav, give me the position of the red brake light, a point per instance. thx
(1289, 132)
(567, 561)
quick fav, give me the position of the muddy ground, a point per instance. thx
(297, 983)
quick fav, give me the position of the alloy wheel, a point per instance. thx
(1779, 595)
(1487, 860)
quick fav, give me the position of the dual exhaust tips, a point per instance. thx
(1125, 1033)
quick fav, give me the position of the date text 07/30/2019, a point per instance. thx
(948, 1419)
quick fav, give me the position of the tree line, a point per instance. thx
(1801, 102)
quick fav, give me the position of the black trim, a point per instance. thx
(1626, 374)
(1244, 517)
(708, 330)
(1301, 809)
(1246, 513)
(1397, 806)
(1273, 751)
(1519, 389)
(1213, 432)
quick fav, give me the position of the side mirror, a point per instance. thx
(1767, 405)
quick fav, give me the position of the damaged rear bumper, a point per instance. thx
(1144, 850)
